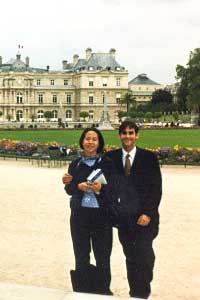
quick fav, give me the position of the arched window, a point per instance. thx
(68, 114)
(40, 114)
(19, 98)
(19, 115)
(54, 114)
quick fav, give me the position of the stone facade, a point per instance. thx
(26, 92)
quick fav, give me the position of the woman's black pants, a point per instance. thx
(91, 229)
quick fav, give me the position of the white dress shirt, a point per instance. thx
(131, 155)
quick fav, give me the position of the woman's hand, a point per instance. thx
(84, 186)
(96, 187)
(67, 178)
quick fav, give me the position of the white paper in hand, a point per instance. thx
(97, 176)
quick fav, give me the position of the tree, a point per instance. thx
(162, 99)
(148, 116)
(130, 100)
(48, 115)
(157, 115)
(83, 114)
(190, 78)
(121, 114)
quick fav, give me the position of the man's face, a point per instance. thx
(128, 137)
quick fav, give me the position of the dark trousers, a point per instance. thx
(137, 247)
(91, 229)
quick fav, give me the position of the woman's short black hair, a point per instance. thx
(100, 137)
(128, 124)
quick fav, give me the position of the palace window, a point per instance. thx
(52, 82)
(104, 81)
(54, 114)
(65, 81)
(103, 98)
(91, 99)
(40, 98)
(38, 82)
(118, 98)
(91, 82)
(68, 114)
(19, 98)
(118, 79)
(91, 114)
(19, 115)
(55, 99)
(40, 114)
(69, 99)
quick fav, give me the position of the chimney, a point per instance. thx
(1, 60)
(64, 63)
(27, 61)
(112, 52)
(75, 59)
(88, 52)
(47, 68)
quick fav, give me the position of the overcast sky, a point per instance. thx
(150, 36)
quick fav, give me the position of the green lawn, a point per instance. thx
(148, 138)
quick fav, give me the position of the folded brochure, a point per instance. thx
(97, 176)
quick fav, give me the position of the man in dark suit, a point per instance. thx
(141, 169)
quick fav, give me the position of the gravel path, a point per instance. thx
(36, 248)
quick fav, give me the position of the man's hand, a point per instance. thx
(84, 186)
(96, 187)
(67, 178)
(143, 220)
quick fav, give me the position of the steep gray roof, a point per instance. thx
(98, 61)
(143, 79)
(18, 65)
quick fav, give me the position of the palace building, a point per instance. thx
(26, 92)
(143, 87)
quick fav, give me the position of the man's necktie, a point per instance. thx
(127, 166)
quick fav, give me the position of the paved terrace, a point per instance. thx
(36, 249)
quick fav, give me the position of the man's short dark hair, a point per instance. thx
(128, 124)
(100, 138)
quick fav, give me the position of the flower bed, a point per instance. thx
(56, 151)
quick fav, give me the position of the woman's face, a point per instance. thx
(91, 143)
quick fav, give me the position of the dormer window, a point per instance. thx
(108, 68)
(117, 69)
(90, 68)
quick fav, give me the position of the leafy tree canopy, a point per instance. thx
(189, 77)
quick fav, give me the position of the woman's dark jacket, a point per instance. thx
(80, 171)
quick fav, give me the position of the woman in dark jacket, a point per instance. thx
(89, 221)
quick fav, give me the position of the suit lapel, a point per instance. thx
(119, 162)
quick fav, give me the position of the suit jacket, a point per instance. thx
(146, 178)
